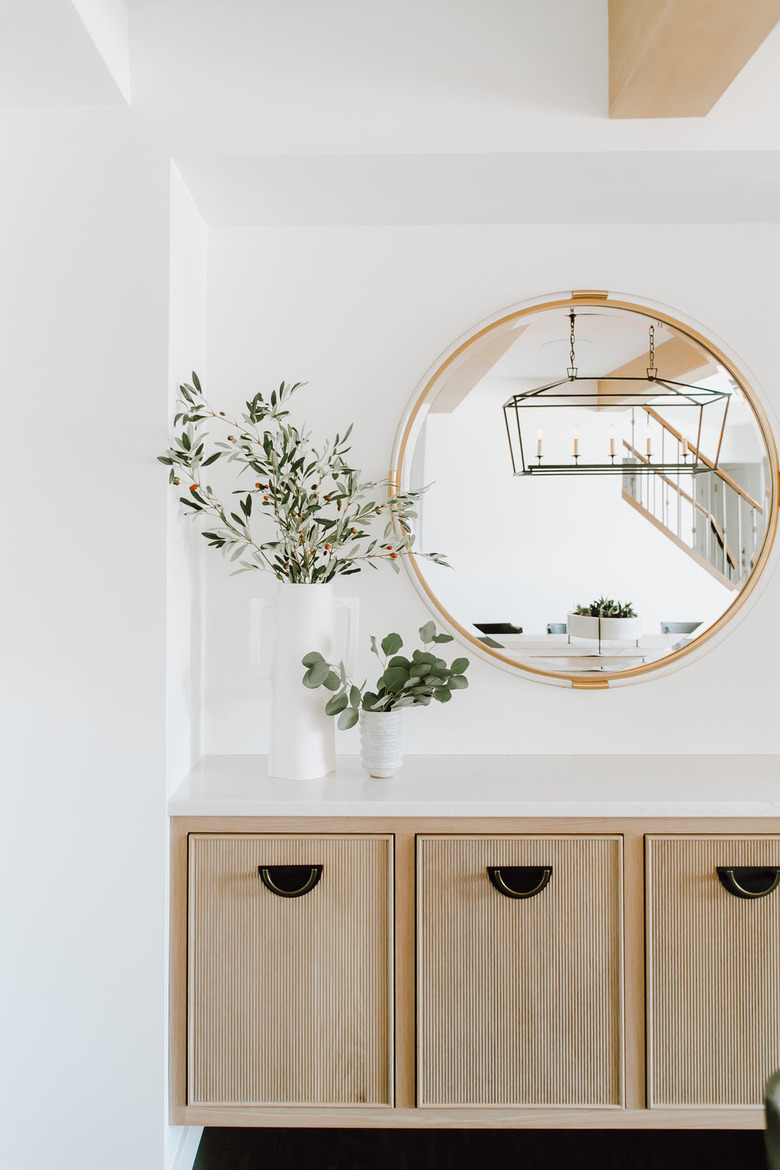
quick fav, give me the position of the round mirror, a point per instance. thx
(603, 484)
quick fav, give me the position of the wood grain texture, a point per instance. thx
(713, 974)
(674, 58)
(290, 999)
(405, 989)
(520, 1001)
(634, 966)
(177, 1031)
(404, 1116)
(481, 1118)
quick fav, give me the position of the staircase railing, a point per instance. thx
(732, 483)
(716, 523)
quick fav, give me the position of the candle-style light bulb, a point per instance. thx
(684, 447)
(539, 437)
(576, 441)
(649, 446)
(612, 439)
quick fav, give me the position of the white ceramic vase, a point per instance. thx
(381, 743)
(302, 742)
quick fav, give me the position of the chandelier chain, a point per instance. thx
(651, 369)
(572, 367)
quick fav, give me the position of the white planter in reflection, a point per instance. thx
(381, 743)
(606, 629)
(302, 737)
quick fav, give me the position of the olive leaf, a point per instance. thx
(304, 513)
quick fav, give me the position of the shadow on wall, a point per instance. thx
(341, 1149)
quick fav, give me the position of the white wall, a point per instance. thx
(83, 367)
(184, 682)
(187, 352)
(362, 313)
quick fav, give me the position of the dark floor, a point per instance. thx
(354, 1149)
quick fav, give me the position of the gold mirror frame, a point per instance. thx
(415, 414)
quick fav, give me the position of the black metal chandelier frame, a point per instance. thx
(674, 394)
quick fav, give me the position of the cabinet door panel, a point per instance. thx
(290, 998)
(520, 999)
(713, 973)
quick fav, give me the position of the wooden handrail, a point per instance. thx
(716, 528)
(707, 462)
(665, 478)
(705, 564)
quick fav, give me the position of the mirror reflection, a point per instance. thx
(602, 487)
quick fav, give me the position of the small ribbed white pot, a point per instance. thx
(381, 743)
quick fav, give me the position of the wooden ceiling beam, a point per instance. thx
(674, 58)
(677, 360)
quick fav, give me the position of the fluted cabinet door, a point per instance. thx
(713, 973)
(520, 1000)
(290, 998)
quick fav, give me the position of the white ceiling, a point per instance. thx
(399, 111)
(48, 57)
(273, 77)
(611, 187)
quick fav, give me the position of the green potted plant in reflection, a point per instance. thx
(604, 620)
(413, 681)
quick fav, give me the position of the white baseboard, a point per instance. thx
(184, 1153)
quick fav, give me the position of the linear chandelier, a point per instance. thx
(675, 454)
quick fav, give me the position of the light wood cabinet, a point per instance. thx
(409, 987)
(713, 983)
(289, 970)
(519, 994)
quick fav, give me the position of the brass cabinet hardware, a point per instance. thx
(290, 881)
(519, 881)
(749, 881)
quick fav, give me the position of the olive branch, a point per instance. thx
(322, 520)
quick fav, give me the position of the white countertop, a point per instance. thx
(492, 786)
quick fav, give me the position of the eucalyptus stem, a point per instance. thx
(404, 682)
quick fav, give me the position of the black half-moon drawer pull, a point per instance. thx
(519, 881)
(290, 881)
(749, 881)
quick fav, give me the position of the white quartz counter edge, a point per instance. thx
(492, 786)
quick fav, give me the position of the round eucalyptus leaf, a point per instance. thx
(336, 704)
(394, 678)
(348, 718)
(317, 674)
(391, 643)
